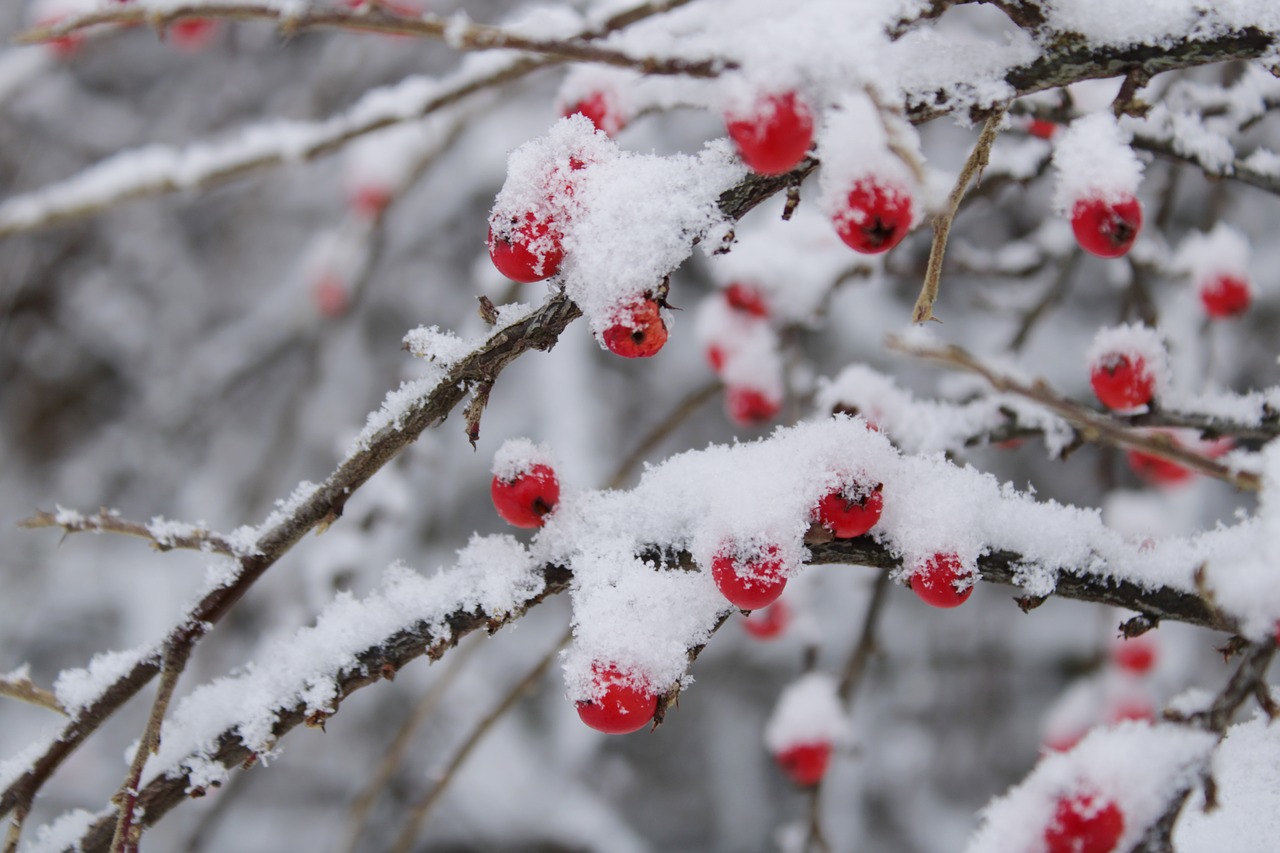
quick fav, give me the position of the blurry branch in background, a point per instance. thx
(1090, 425)
(692, 401)
(163, 535)
(456, 31)
(20, 686)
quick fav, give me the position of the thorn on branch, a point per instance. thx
(488, 312)
(1138, 625)
(793, 201)
(474, 410)
(1027, 603)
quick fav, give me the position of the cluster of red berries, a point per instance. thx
(746, 404)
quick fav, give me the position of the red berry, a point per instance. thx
(1225, 296)
(747, 299)
(775, 138)
(1137, 656)
(368, 202)
(622, 706)
(193, 34)
(1122, 381)
(935, 581)
(1104, 228)
(527, 252)
(749, 583)
(1042, 128)
(596, 108)
(847, 514)
(875, 217)
(749, 407)
(715, 357)
(805, 763)
(529, 498)
(331, 297)
(641, 335)
(1084, 824)
(1156, 470)
(769, 623)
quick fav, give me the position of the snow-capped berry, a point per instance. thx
(774, 138)
(1084, 823)
(1122, 381)
(769, 623)
(941, 581)
(874, 218)
(805, 763)
(1225, 296)
(850, 512)
(1136, 656)
(1156, 470)
(747, 299)
(600, 111)
(750, 406)
(528, 498)
(1106, 228)
(749, 582)
(527, 251)
(640, 333)
(622, 703)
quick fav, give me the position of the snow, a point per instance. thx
(1221, 251)
(855, 146)
(1246, 770)
(1093, 160)
(77, 689)
(518, 455)
(808, 711)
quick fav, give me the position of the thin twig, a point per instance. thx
(683, 410)
(423, 807)
(14, 833)
(28, 691)
(1089, 424)
(192, 538)
(855, 668)
(1051, 297)
(972, 170)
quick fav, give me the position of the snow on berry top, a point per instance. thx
(518, 455)
(1094, 160)
(855, 146)
(1222, 251)
(808, 711)
(1136, 766)
(1133, 339)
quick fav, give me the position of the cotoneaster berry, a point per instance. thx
(935, 581)
(1084, 824)
(193, 34)
(1225, 296)
(1157, 470)
(769, 623)
(1042, 128)
(775, 137)
(369, 201)
(624, 705)
(848, 513)
(528, 499)
(641, 334)
(331, 297)
(1122, 381)
(747, 299)
(715, 357)
(597, 109)
(527, 251)
(751, 407)
(749, 583)
(1106, 229)
(1136, 656)
(805, 763)
(875, 217)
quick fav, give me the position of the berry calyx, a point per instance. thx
(1084, 824)
(849, 512)
(1122, 381)
(1225, 296)
(775, 137)
(875, 217)
(597, 109)
(528, 499)
(640, 334)
(935, 581)
(750, 407)
(623, 705)
(749, 582)
(805, 763)
(1136, 656)
(769, 623)
(1106, 229)
(747, 299)
(527, 251)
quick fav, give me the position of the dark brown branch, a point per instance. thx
(686, 407)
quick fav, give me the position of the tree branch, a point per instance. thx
(23, 688)
(162, 534)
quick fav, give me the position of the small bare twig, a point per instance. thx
(972, 170)
(1052, 296)
(163, 535)
(683, 410)
(855, 668)
(26, 690)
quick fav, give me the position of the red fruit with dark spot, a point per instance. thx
(1137, 656)
(528, 499)
(527, 251)
(597, 109)
(1084, 824)
(624, 705)
(750, 407)
(1122, 381)
(1225, 296)
(805, 763)
(1104, 228)
(769, 623)
(751, 582)
(849, 513)
(875, 217)
(641, 335)
(775, 137)
(747, 299)
(935, 581)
